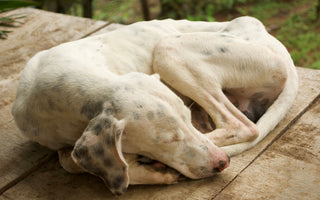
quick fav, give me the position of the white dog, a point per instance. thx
(97, 95)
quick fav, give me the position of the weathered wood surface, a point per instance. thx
(289, 169)
(40, 30)
(17, 155)
(68, 186)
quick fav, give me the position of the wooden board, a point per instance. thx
(40, 30)
(19, 157)
(67, 186)
(289, 169)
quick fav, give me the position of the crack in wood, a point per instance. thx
(25, 174)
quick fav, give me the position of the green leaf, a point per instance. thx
(4, 34)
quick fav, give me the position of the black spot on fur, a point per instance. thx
(59, 84)
(109, 140)
(109, 111)
(128, 88)
(81, 151)
(204, 147)
(97, 129)
(161, 110)
(116, 106)
(118, 133)
(107, 121)
(92, 109)
(223, 49)
(107, 162)
(150, 115)
(171, 121)
(98, 150)
(139, 104)
(206, 52)
(136, 115)
(117, 182)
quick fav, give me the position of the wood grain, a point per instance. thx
(40, 30)
(289, 169)
(43, 30)
(69, 186)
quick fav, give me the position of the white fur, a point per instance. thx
(197, 59)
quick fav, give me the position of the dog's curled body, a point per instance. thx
(98, 95)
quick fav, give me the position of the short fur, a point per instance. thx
(92, 92)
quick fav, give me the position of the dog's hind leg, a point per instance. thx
(202, 65)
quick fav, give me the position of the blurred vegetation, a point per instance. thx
(295, 23)
(12, 20)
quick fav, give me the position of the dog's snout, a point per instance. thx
(222, 164)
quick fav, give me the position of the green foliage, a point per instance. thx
(195, 9)
(119, 11)
(297, 21)
(299, 30)
(4, 34)
(12, 4)
(12, 20)
(9, 21)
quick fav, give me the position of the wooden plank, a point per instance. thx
(41, 30)
(289, 169)
(68, 186)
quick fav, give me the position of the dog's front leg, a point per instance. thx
(139, 172)
(149, 173)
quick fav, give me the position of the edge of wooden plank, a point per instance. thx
(46, 158)
(97, 25)
(281, 132)
(195, 189)
(283, 129)
(293, 158)
(292, 122)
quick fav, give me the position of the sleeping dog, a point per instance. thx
(99, 101)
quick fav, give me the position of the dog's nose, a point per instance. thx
(222, 165)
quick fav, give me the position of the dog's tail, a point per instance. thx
(273, 115)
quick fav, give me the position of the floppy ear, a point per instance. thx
(98, 151)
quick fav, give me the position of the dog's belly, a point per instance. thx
(253, 102)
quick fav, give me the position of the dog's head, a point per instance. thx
(158, 126)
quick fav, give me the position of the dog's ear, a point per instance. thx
(98, 151)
